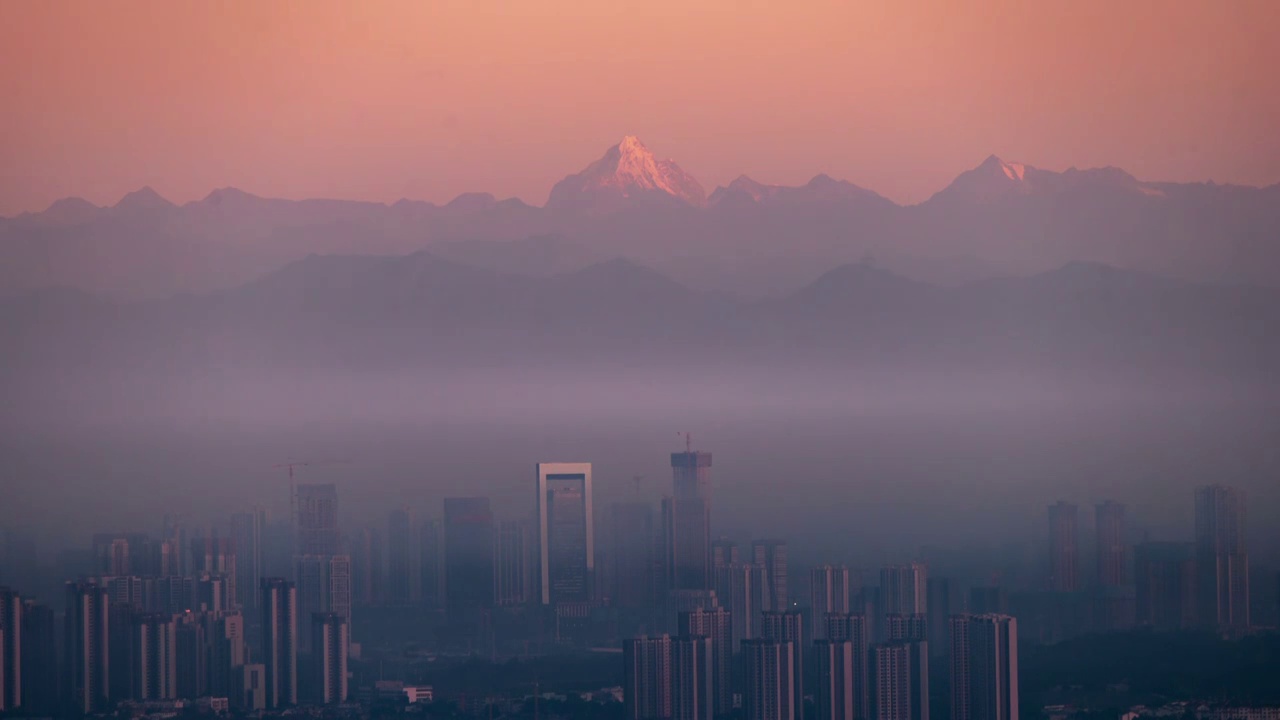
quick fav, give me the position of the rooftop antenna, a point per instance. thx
(688, 441)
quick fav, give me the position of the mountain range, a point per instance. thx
(420, 311)
(747, 239)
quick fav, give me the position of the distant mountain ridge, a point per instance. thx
(747, 238)
(423, 311)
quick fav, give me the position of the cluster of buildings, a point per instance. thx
(262, 616)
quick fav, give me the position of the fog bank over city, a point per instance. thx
(862, 466)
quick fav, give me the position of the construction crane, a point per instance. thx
(293, 493)
(636, 479)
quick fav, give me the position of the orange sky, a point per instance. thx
(429, 98)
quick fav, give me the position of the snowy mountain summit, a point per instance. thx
(629, 175)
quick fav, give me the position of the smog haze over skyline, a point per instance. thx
(930, 281)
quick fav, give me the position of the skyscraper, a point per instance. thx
(513, 578)
(634, 556)
(942, 603)
(1064, 550)
(693, 678)
(984, 667)
(687, 516)
(366, 567)
(788, 627)
(852, 629)
(87, 652)
(1164, 580)
(646, 663)
(772, 556)
(156, 672)
(279, 652)
(724, 552)
(986, 600)
(329, 642)
(741, 589)
(1109, 526)
(566, 547)
(907, 627)
(834, 697)
(1221, 558)
(10, 650)
(404, 558)
(212, 555)
(828, 593)
(316, 520)
(468, 555)
(771, 680)
(900, 676)
(39, 660)
(246, 533)
(715, 625)
(904, 589)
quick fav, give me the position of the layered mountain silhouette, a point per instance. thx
(422, 311)
(747, 239)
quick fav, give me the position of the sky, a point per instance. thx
(425, 100)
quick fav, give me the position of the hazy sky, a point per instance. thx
(385, 100)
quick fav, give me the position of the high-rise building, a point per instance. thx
(192, 655)
(279, 641)
(828, 593)
(904, 589)
(225, 636)
(716, 625)
(900, 679)
(835, 696)
(1064, 549)
(249, 691)
(404, 558)
(646, 688)
(772, 556)
(329, 642)
(366, 567)
(513, 577)
(986, 600)
(1109, 526)
(87, 653)
(907, 627)
(10, 649)
(770, 680)
(741, 589)
(468, 555)
(316, 520)
(788, 627)
(984, 667)
(1221, 558)
(431, 558)
(687, 519)
(39, 660)
(942, 603)
(724, 552)
(247, 534)
(174, 545)
(1164, 583)
(213, 555)
(324, 586)
(693, 678)
(852, 629)
(634, 556)
(155, 675)
(566, 546)
(122, 655)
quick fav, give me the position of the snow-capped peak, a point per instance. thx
(628, 173)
